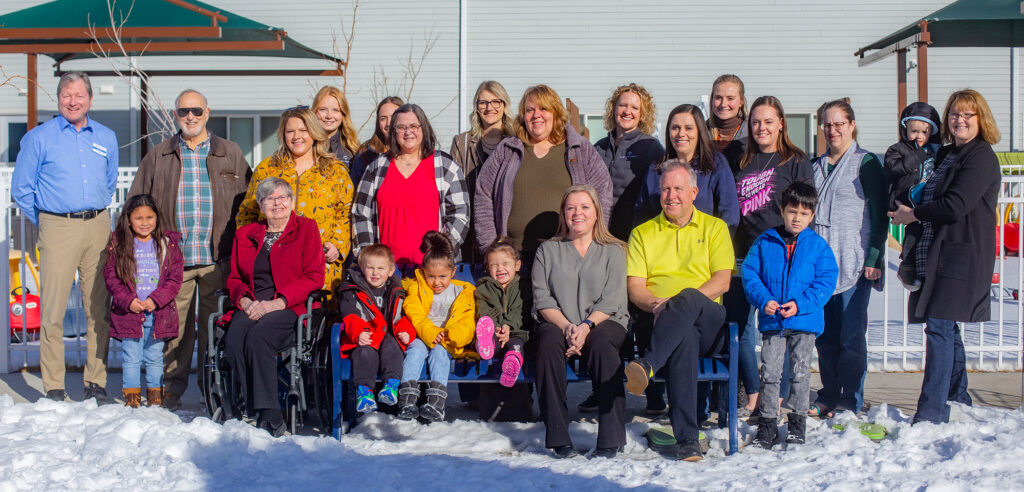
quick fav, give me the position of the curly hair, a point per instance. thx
(647, 108)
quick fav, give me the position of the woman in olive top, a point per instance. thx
(378, 143)
(331, 108)
(852, 203)
(491, 122)
(769, 165)
(518, 188)
(728, 123)
(629, 150)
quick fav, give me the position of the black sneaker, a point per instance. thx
(56, 395)
(638, 375)
(588, 405)
(767, 434)
(564, 451)
(271, 421)
(606, 452)
(689, 450)
(93, 390)
(797, 428)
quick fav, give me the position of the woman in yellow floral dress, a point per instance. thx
(322, 187)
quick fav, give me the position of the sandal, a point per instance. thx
(817, 410)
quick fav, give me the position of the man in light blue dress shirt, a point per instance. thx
(64, 179)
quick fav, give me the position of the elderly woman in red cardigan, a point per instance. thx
(276, 263)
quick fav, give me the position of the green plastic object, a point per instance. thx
(875, 432)
(663, 441)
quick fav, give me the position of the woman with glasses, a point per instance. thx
(851, 217)
(331, 109)
(519, 187)
(956, 251)
(320, 184)
(410, 190)
(378, 143)
(490, 122)
(629, 150)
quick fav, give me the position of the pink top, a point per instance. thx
(407, 208)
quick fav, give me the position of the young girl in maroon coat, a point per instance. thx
(143, 274)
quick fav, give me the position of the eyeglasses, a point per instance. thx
(197, 112)
(277, 199)
(839, 125)
(962, 116)
(410, 128)
(482, 104)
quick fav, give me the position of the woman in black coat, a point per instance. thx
(956, 252)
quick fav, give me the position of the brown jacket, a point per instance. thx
(160, 172)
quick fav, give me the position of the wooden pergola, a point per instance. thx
(68, 30)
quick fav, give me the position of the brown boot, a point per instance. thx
(132, 397)
(154, 397)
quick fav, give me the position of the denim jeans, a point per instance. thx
(135, 351)
(945, 374)
(794, 350)
(843, 348)
(739, 311)
(437, 359)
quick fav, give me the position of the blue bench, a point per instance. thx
(718, 368)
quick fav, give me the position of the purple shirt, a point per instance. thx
(147, 268)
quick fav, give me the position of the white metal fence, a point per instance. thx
(893, 343)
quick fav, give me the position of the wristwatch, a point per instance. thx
(589, 323)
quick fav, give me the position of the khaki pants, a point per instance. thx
(199, 284)
(66, 246)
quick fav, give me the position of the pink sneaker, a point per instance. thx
(510, 368)
(485, 337)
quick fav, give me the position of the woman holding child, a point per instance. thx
(956, 251)
(851, 217)
(579, 288)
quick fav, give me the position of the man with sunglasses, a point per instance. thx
(198, 180)
(63, 181)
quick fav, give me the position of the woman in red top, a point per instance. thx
(410, 190)
(275, 264)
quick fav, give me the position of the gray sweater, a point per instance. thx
(578, 286)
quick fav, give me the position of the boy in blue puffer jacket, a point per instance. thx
(789, 274)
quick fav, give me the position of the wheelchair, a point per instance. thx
(305, 380)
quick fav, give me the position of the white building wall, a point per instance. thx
(798, 50)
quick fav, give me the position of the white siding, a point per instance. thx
(798, 50)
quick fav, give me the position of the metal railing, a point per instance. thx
(894, 344)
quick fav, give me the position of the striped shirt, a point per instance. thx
(195, 205)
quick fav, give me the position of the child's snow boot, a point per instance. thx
(154, 397)
(767, 433)
(797, 428)
(408, 393)
(437, 395)
(388, 395)
(364, 400)
(510, 368)
(132, 397)
(485, 337)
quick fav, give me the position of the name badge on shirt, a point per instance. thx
(99, 149)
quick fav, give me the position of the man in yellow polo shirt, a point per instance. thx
(679, 265)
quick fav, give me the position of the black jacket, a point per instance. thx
(903, 159)
(628, 163)
(958, 274)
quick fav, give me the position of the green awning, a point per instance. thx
(966, 23)
(153, 27)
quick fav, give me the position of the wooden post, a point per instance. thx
(922, 62)
(32, 118)
(901, 81)
(144, 116)
(574, 118)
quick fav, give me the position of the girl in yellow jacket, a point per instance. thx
(441, 309)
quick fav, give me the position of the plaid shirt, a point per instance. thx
(195, 205)
(452, 220)
(928, 228)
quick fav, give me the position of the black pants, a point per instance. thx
(366, 360)
(601, 351)
(251, 348)
(690, 327)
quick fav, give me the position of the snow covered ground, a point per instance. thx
(79, 446)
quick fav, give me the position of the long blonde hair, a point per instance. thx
(323, 158)
(349, 138)
(601, 233)
(508, 118)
